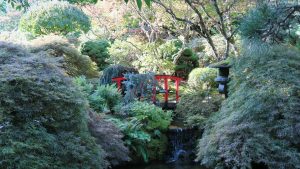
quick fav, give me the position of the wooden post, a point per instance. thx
(166, 90)
(177, 81)
(118, 80)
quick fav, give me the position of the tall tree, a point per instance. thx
(211, 17)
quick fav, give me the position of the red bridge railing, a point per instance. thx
(166, 78)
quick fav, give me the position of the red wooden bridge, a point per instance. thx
(159, 78)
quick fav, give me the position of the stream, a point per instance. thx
(180, 155)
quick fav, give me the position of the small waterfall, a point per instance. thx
(182, 144)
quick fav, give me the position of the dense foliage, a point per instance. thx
(259, 122)
(123, 52)
(102, 98)
(185, 62)
(105, 98)
(203, 78)
(195, 107)
(43, 117)
(97, 50)
(143, 128)
(110, 138)
(64, 55)
(114, 71)
(57, 17)
(139, 87)
(261, 23)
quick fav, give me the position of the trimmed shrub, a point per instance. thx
(259, 122)
(203, 78)
(58, 17)
(185, 61)
(65, 56)
(42, 116)
(97, 50)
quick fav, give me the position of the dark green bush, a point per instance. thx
(43, 117)
(58, 17)
(97, 50)
(272, 23)
(64, 55)
(259, 122)
(143, 125)
(185, 61)
(114, 71)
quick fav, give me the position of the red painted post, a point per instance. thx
(118, 80)
(166, 89)
(177, 81)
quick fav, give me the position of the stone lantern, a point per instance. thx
(223, 78)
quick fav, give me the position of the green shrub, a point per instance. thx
(259, 122)
(105, 98)
(97, 50)
(56, 17)
(185, 61)
(195, 107)
(102, 98)
(143, 125)
(42, 116)
(203, 78)
(86, 87)
(135, 138)
(59, 51)
(152, 117)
